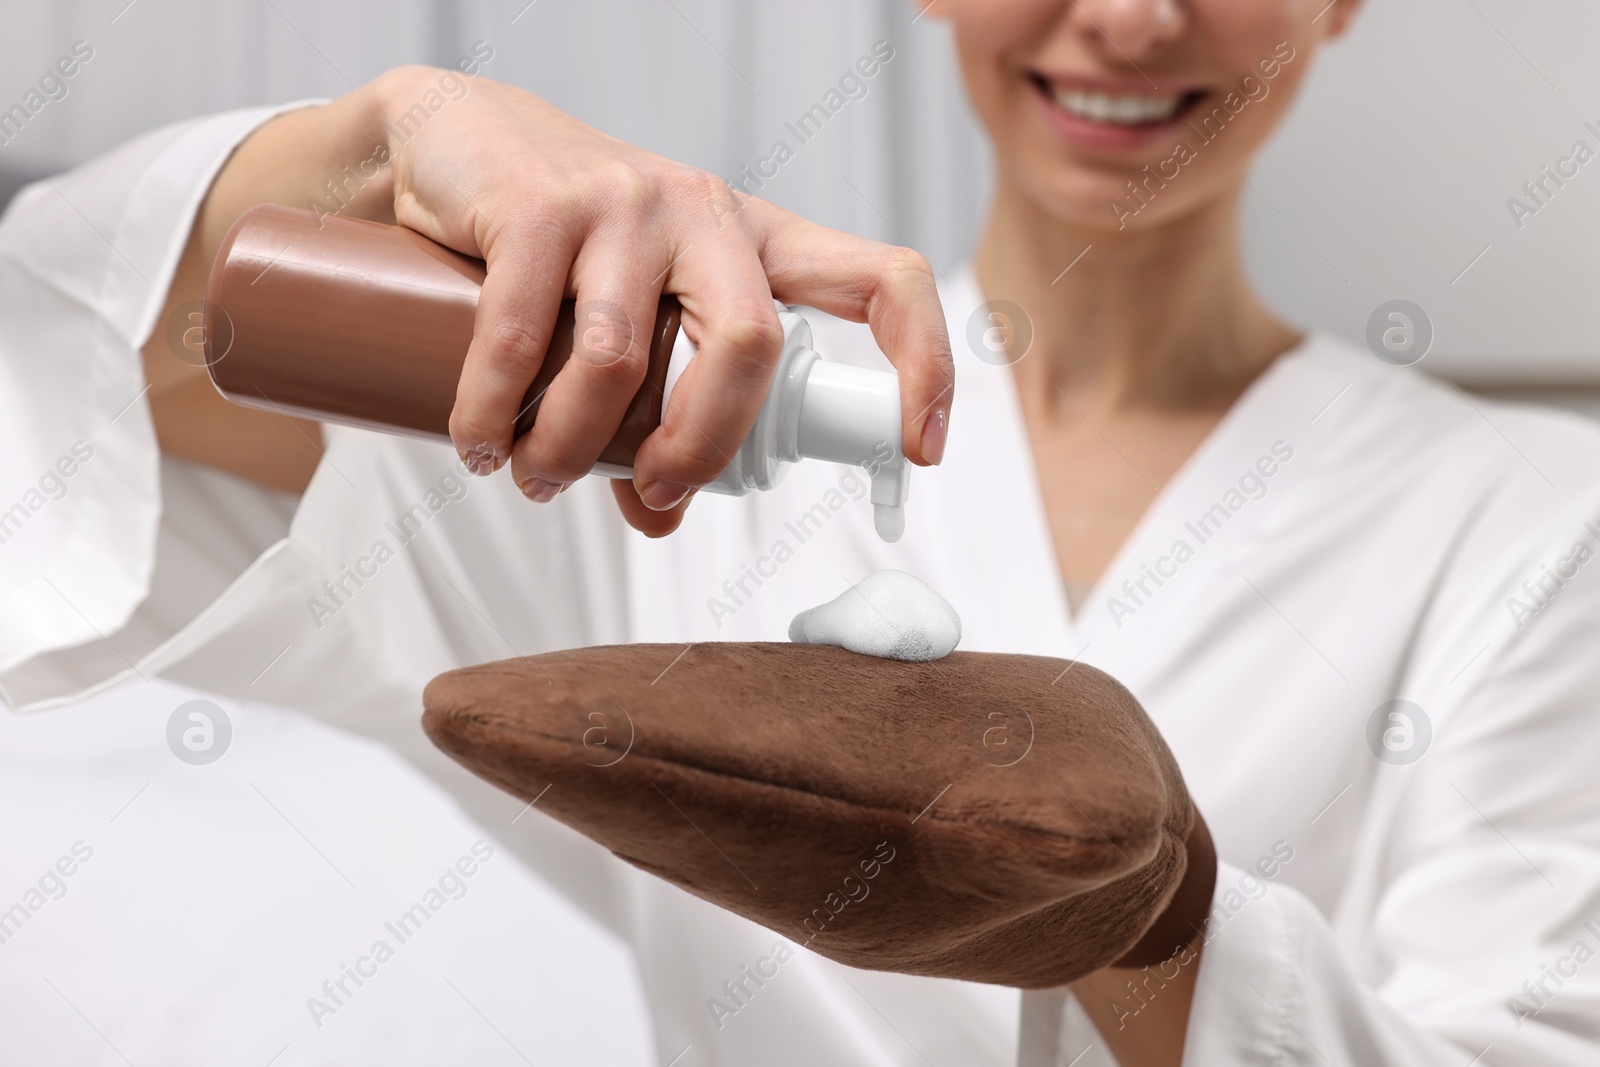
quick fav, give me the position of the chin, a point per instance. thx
(1070, 194)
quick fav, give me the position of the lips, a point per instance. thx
(1103, 116)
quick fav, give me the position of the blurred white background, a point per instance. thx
(204, 914)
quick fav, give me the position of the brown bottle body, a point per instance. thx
(355, 322)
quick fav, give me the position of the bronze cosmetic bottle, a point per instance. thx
(349, 321)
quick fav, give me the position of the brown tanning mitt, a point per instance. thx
(984, 817)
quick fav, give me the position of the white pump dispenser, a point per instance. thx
(816, 409)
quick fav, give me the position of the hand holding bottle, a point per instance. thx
(559, 210)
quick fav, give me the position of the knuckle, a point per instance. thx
(619, 190)
(906, 268)
(406, 77)
(549, 209)
(619, 370)
(691, 464)
(751, 337)
(607, 338)
(687, 456)
(695, 181)
(514, 347)
(532, 457)
(692, 187)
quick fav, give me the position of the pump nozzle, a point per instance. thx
(817, 409)
(852, 415)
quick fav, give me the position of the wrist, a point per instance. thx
(388, 97)
(327, 158)
(406, 106)
(1140, 1003)
(1143, 1014)
(348, 170)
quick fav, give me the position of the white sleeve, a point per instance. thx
(86, 260)
(1276, 987)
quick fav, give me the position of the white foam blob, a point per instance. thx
(890, 614)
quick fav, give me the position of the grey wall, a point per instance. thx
(1394, 172)
(1390, 179)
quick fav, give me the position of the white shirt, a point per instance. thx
(1350, 534)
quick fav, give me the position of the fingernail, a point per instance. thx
(480, 461)
(934, 431)
(663, 496)
(540, 491)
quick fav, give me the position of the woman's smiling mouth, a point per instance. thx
(1097, 115)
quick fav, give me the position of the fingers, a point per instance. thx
(527, 273)
(622, 233)
(728, 312)
(647, 521)
(610, 336)
(892, 289)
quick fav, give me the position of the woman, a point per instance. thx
(1354, 601)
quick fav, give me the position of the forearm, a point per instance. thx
(289, 160)
(1143, 1014)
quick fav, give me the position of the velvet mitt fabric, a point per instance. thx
(996, 818)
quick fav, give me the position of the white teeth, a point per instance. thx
(1117, 110)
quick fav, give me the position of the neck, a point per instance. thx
(1146, 318)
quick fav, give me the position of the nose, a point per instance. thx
(1129, 28)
